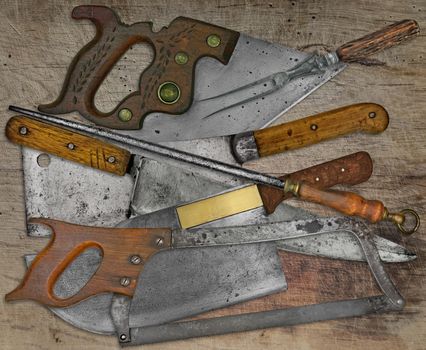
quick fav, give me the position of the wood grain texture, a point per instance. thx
(38, 41)
(352, 169)
(69, 145)
(392, 35)
(68, 241)
(367, 117)
(113, 38)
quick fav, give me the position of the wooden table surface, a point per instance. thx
(37, 42)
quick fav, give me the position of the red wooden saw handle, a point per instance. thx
(165, 86)
(378, 41)
(68, 241)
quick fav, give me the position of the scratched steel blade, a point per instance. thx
(257, 86)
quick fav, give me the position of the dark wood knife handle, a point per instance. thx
(68, 144)
(387, 37)
(349, 170)
(68, 241)
(165, 86)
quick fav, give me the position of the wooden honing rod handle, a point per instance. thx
(368, 117)
(67, 144)
(387, 37)
(349, 203)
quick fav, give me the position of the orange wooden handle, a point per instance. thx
(68, 241)
(347, 203)
(367, 117)
(377, 41)
(67, 144)
(348, 170)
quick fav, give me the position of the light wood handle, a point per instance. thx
(68, 241)
(378, 41)
(67, 144)
(367, 117)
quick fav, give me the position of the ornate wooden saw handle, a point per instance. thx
(67, 144)
(389, 36)
(117, 272)
(165, 86)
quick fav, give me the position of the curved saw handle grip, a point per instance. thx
(350, 203)
(387, 37)
(368, 117)
(165, 86)
(349, 170)
(116, 272)
(67, 144)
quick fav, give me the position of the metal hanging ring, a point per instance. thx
(416, 226)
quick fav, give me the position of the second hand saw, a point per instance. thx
(205, 80)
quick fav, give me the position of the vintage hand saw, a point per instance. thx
(346, 202)
(204, 80)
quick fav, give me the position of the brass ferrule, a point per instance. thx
(292, 187)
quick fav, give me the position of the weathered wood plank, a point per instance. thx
(38, 40)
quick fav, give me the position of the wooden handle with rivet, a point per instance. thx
(67, 144)
(117, 273)
(378, 41)
(347, 203)
(367, 117)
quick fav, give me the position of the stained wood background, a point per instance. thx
(37, 42)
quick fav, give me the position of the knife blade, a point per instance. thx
(126, 250)
(234, 86)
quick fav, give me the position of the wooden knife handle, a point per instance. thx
(166, 85)
(377, 41)
(67, 144)
(349, 170)
(116, 273)
(368, 117)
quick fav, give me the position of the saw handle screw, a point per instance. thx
(135, 259)
(125, 281)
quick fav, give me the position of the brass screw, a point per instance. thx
(71, 146)
(213, 40)
(125, 281)
(168, 92)
(111, 159)
(181, 58)
(135, 259)
(125, 114)
(23, 130)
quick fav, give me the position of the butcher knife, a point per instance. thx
(367, 117)
(205, 80)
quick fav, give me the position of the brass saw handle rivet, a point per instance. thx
(169, 92)
(181, 58)
(125, 114)
(213, 40)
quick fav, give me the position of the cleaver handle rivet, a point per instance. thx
(135, 259)
(23, 130)
(159, 241)
(314, 127)
(123, 337)
(111, 159)
(125, 281)
(71, 146)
